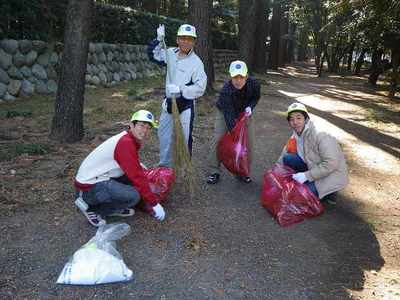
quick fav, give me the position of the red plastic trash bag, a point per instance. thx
(160, 180)
(233, 150)
(288, 201)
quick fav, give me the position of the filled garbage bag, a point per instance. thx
(233, 150)
(287, 200)
(98, 261)
(161, 180)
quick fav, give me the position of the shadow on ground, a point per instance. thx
(223, 246)
(370, 136)
(220, 245)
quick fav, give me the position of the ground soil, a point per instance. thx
(221, 244)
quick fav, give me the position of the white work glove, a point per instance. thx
(160, 32)
(164, 105)
(158, 212)
(173, 89)
(300, 177)
(248, 111)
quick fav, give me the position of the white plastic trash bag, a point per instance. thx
(98, 261)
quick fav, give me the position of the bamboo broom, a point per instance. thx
(182, 160)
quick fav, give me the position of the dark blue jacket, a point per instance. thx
(232, 102)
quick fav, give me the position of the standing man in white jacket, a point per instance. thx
(185, 79)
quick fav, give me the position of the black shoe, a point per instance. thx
(94, 219)
(330, 199)
(126, 212)
(213, 178)
(245, 179)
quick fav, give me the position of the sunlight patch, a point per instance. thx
(373, 157)
(292, 95)
(118, 94)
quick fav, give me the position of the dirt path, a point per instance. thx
(223, 244)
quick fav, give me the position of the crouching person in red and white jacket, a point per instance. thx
(110, 180)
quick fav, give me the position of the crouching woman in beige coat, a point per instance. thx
(315, 156)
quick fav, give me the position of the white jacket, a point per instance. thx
(187, 72)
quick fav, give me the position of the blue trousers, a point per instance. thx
(295, 162)
(111, 196)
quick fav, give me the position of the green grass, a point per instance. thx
(11, 151)
(32, 149)
(104, 108)
(118, 103)
(15, 113)
(139, 87)
(33, 106)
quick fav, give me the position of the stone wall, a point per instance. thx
(223, 58)
(31, 67)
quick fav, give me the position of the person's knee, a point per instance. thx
(133, 202)
(97, 195)
(133, 198)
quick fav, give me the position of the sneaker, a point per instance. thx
(213, 178)
(94, 219)
(126, 212)
(245, 179)
(330, 199)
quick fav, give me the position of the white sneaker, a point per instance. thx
(93, 218)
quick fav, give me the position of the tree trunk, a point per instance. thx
(360, 61)
(395, 77)
(318, 60)
(291, 43)
(259, 62)
(283, 45)
(334, 57)
(162, 8)
(350, 57)
(151, 6)
(67, 125)
(177, 9)
(320, 66)
(318, 15)
(302, 45)
(376, 66)
(275, 35)
(247, 29)
(200, 17)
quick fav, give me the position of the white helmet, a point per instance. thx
(298, 107)
(187, 30)
(238, 67)
(144, 116)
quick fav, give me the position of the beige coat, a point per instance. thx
(325, 160)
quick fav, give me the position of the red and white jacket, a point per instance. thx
(113, 158)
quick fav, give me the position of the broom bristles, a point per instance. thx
(182, 160)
